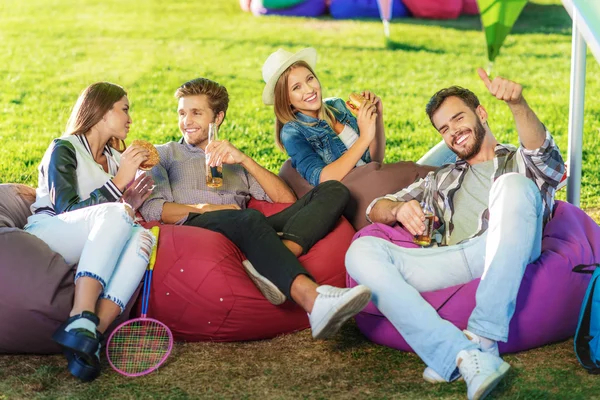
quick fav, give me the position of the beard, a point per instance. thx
(470, 152)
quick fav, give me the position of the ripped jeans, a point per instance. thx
(105, 243)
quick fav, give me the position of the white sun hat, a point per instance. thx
(277, 63)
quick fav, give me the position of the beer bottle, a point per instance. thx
(424, 239)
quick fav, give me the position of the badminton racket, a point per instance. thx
(141, 345)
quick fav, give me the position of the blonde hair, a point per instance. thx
(93, 103)
(284, 111)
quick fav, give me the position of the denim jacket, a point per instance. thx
(312, 144)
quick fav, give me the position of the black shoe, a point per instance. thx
(81, 368)
(79, 341)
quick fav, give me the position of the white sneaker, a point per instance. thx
(475, 338)
(266, 287)
(481, 371)
(334, 306)
(431, 376)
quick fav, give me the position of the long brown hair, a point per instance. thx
(93, 103)
(284, 111)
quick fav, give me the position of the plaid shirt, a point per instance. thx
(180, 177)
(544, 166)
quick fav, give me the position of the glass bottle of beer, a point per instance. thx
(214, 175)
(424, 239)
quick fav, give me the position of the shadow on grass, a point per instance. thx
(391, 44)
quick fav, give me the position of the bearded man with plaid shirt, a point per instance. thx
(492, 205)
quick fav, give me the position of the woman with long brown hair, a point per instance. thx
(322, 137)
(84, 209)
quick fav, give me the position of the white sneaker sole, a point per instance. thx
(439, 379)
(266, 287)
(491, 382)
(357, 299)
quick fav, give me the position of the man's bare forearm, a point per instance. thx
(383, 212)
(530, 129)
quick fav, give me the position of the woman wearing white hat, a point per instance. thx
(322, 137)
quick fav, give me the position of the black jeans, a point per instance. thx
(305, 222)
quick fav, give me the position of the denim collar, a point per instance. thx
(306, 118)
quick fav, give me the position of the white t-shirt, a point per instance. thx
(349, 136)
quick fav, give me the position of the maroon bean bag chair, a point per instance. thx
(201, 291)
(434, 9)
(549, 298)
(470, 7)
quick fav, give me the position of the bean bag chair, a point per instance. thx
(201, 291)
(281, 3)
(549, 298)
(365, 183)
(434, 9)
(36, 285)
(470, 7)
(349, 9)
(308, 8)
(245, 5)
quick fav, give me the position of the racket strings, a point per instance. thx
(139, 346)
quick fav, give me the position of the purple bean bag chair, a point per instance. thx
(309, 8)
(348, 9)
(549, 298)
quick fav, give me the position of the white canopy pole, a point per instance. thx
(576, 106)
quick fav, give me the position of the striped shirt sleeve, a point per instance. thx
(152, 208)
(545, 162)
(255, 189)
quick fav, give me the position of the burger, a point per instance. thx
(354, 102)
(153, 158)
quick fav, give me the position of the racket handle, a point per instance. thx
(155, 231)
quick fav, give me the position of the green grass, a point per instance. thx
(51, 49)
(296, 367)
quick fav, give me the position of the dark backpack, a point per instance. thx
(587, 336)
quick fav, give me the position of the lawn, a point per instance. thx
(51, 49)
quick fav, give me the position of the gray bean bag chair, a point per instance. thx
(36, 285)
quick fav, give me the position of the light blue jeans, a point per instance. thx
(438, 155)
(105, 243)
(397, 275)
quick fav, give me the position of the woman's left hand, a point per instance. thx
(373, 98)
(139, 190)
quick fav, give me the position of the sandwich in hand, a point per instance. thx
(153, 158)
(354, 102)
